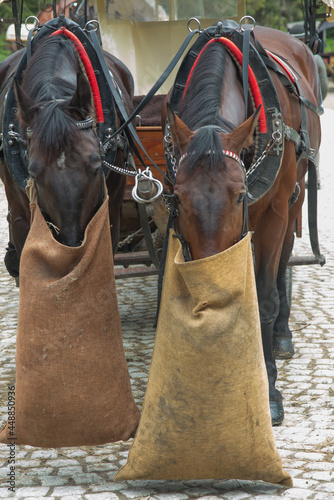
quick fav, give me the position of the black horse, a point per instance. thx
(58, 110)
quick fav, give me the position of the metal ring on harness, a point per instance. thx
(247, 17)
(198, 24)
(147, 174)
(93, 22)
(36, 23)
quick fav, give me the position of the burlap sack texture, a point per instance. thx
(206, 410)
(72, 382)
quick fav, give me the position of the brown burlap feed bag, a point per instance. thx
(206, 409)
(72, 381)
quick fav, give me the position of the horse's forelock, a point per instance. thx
(42, 65)
(53, 127)
(54, 130)
(205, 144)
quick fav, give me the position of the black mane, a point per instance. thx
(53, 127)
(201, 107)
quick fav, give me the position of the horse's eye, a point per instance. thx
(97, 168)
(95, 163)
(240, 198)
(34, 169)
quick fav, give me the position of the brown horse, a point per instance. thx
(60, 141)
(210, 185)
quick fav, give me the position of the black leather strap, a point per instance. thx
(144, 222)
(127, 125)
(160, 80)
(245, 66)
(312, 202)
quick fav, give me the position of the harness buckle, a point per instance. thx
(150, 182)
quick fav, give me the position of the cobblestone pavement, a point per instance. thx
(305, 440)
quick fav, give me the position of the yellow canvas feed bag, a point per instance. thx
(206, 410)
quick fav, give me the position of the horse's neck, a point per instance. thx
(66, 72)
(47, 85)
(232, 104)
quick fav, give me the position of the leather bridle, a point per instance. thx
(175, 201)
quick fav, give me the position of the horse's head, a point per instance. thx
(64, 156)
(210, 184)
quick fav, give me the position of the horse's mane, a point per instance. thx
(54, 128)
(201, 106)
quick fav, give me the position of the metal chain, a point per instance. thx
(119, 170)
(170, 151)
(275, 138)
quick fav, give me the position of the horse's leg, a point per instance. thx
(19, 223)
(282, 340)
(268, 240)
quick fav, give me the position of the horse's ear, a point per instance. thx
(181, 134)
(242, 136)
(82, 97)
(24, 103)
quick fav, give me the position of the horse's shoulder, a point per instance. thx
(121, 73)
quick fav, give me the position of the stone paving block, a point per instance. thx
(100, 467)
(62, 462)
(101, 496)
(199, 492)
(48, 453)
(304, 484)
(39, 471)
(34, 498)
(236, 495)
(62, 491)
(297, 493)
(37, 492)
(326, 487)
(4, 493)
(72, 497)
(136, 493)
(322, 496)
(322, 475)
(70, 471)
(171, 496)
(107, 487)
(211, 497)
(53, 481)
